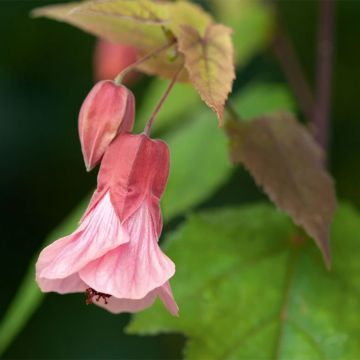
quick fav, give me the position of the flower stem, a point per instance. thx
(150, 122)
(287, 56)
(321, 109)
(123, 73)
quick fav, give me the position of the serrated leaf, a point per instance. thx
(284, 159)
(137, 23)
(190, 14)
(209, 62)
(253, 24)
(143, 24)
(249, 287)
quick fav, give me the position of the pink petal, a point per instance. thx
(99, 232)
(168, 300)
(117, 306)
(134, 167)
(70, 284)
(134, 269)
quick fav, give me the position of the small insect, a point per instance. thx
(91, 293)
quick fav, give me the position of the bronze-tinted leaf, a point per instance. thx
(285, 160)
(187, 13)
(137, 23)
(209, 62)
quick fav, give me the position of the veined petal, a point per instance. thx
(70, 284)
(134, 269)
(99, 232)
(117, 306)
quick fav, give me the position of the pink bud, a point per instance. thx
(107, 110)
(110, 59)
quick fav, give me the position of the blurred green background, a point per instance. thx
(45, 73)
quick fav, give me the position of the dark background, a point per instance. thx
(45, 73)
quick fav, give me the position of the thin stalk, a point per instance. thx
(123, 73)
(321, 110)
(287, 56)
(150, 122)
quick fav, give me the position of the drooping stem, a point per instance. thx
(133, 66)
(161, 102)
(321, 110)
(286, 54)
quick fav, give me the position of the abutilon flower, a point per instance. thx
(108, 110)
(114, 254)
(111, 58)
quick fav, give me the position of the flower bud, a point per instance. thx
(110, 59)
(107, 110)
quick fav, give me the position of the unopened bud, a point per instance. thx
(107, 110)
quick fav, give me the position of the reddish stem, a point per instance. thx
(286, 54)
(150, 122)
(321, 110)
(131, 67)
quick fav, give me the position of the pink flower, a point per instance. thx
(114, 254)
(107, 110)
(110, 59)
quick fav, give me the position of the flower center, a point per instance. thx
(91, 293)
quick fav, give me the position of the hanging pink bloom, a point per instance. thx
(110, 59)
(114, 254)
(107, 110)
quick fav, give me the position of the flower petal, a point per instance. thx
(134, 269)
(99, 232)
(117, 306)
(167, 297)
(70, 284)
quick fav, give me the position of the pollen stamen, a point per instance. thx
(90, 293)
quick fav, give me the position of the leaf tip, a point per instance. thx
(220, 115)
(326, 252)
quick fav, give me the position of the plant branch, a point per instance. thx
(161, 102)
(321, 109)
(123, 73)
(286, 54)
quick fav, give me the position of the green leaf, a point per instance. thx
(28, 297)
(253, 24)
(138, 23)
(260, 98)
(143, 24)
(190, 14)
(198, 163)
(286, 161)
(210, 64)
(249, 286)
